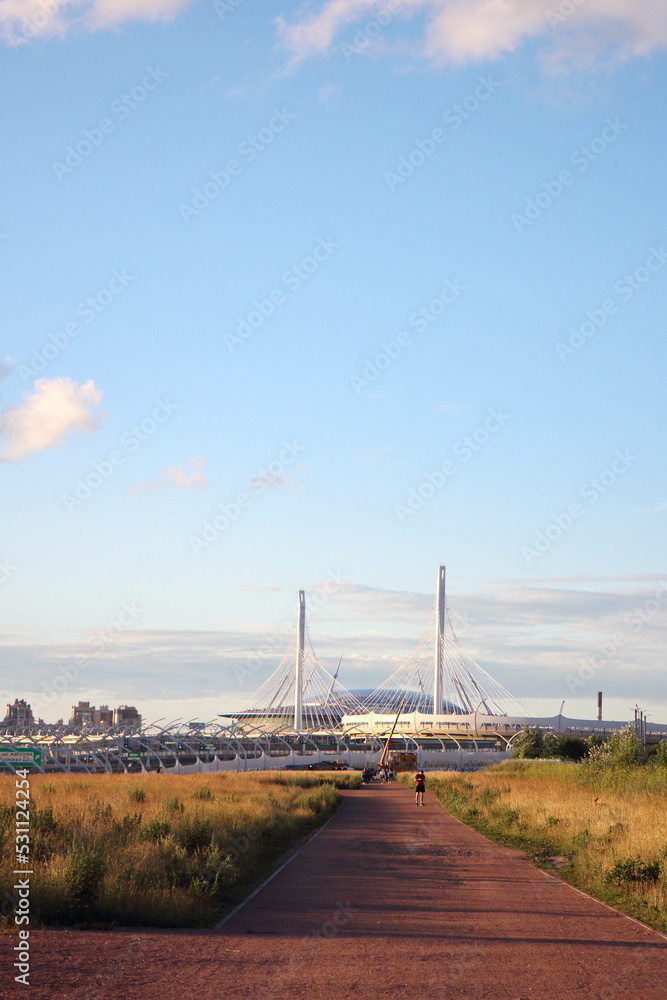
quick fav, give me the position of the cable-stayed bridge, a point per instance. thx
(438, 679)
(443, 708)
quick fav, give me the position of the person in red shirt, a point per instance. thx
(420, 787)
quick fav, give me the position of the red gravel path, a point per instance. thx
(388, 901)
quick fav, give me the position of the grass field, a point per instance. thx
(606, 830)
(158, 849)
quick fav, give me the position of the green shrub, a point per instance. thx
(83, 878)
(174, 804)
(6, 818)
(216, 874)
(42, 819)
(154, 829)
(622, 749)
(101, 813)
(194, 834)
(137, 794)
(634, 870)
(322, 798)
(128, 826)
(202, 793)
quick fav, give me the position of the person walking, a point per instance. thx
(420, 787)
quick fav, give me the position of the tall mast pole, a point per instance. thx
(383, 759)
(298, 674)
(439, 632)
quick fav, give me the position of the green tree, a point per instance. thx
(659, 756)
(622, 749)
(530, 744)
(571, 747)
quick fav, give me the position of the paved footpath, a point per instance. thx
(388, 901)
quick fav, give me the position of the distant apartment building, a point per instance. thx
(126, 715)
(85, 714)
(19, 714)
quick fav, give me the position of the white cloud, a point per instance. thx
(45, 416)
(21, 21)
(459, 31)
(103, 13)
(455, 30)
(177, 477)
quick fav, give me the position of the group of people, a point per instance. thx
(386, 774)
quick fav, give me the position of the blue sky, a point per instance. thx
(381, 155)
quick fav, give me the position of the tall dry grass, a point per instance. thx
(607, 830)
(158, 849)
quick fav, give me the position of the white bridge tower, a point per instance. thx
(438, 664)
(298, 672)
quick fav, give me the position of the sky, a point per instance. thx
(323, 296)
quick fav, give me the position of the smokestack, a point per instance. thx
(599, 706)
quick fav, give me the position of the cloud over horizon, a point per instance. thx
(47, 415)
(464, 31)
